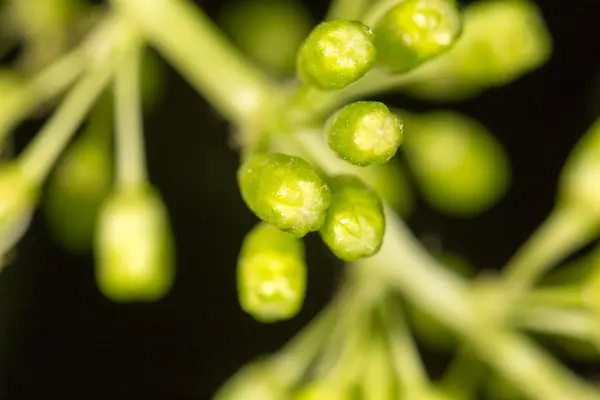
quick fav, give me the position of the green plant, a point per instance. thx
(305, 146)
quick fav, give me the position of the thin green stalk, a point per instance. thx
(131, 162)
(378, 10)
(555, 296)
(564, 231)
(194, 45)
(463, 376)
(579, 324)
(405, 356)
(50, 82)
(43, 151)
(406, 266)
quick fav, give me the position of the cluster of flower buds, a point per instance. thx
(291, 196)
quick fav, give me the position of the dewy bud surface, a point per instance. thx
(415, 31)
(364, 133)
(335, 54)
(355, 223)
(284, 191)
(134, 247)
(271, 274)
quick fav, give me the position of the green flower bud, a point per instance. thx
(255, 381)
(460, 167)
(355, 222)
(414, 31)
(18, 196)
(578, 185)
(284, 191)
(364, 133)
(501, 41)
(269, 31)
(335, 54)
(271, 274)
(76, 190)
(134, 247)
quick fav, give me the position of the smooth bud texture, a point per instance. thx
(415, 31)
(335, 54)
(77, 188)
(134, 247)
(284, 191)
(460, 167)
(17, 200)
(271, 274)
(364, 133)
(355, 223)
(579, 182)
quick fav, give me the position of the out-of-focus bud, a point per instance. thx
(256, 381)
(501, 41)
(285, 191)
(18, 196)
(579, 179)
(271, 274)
(390, 182)
(269, 31)
(364, 133)
(460, 167)
(414, 31)
(355, 223)
(134, 247)
(76, 190)
(336, 54)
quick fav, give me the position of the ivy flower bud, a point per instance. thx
(364, 133)
(460, 167)
(355, 222)
(284, 191)
(335, 54)
(271, 274)
(134, 247)
(578, 185)
(415, 31)
(18, 196)
(76, 190)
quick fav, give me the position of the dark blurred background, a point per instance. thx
(67, 340)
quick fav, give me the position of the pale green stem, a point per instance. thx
(49, 83)
(463, 376)
(405, 356)
(564, 231)
(579, 324)
(43, 151)
(194, 45)
(555, 296)
(406, 266)
(378, 10)
(347, 9)
(131, 162)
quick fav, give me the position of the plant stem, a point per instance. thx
(405, 356)
(131, 163)
(579, 324)
(191, 42)
(462, 377)
(42, 153)
(404, 265)
(48, 84)
(555, 296)
(564, 231)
